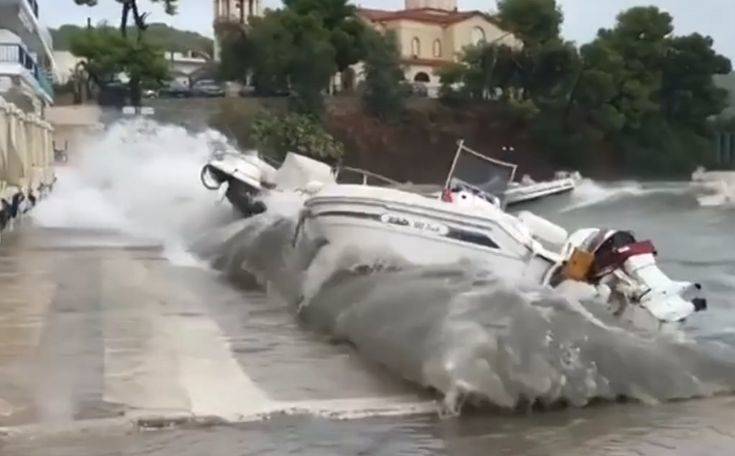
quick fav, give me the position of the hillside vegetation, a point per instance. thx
(157, 35)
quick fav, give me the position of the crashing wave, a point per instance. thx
(715, 188)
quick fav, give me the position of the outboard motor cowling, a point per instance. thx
(616, 260)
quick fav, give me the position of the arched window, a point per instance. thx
(415, 47)
(478, 35)
(437, 48)
(421, 77)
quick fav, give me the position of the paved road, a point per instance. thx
(96, 327)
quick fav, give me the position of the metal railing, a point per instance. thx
(365, 175)
(34, 6)
(15, 53)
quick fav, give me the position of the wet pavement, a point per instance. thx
(98, 326)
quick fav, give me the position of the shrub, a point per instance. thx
(276, 135)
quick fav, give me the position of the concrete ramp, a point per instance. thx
(116, 335)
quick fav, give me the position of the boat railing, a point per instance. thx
(366, 175)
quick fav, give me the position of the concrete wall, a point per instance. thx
(72, 124)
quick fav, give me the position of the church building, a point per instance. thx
(432, 33)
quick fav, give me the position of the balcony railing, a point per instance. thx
(15, 53)
(34, 6)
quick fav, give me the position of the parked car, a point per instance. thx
(175, 90)
(246, 91)
(208, 88)
(150, 93)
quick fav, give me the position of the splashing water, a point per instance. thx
(456, 329)
(471, 336)
(590, 193)
(141, 178)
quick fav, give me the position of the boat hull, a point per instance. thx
(539, 190)
(418, 231)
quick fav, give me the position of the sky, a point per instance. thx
(582, 18)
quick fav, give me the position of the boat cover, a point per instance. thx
(298, 171)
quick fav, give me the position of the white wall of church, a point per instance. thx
(465, 33)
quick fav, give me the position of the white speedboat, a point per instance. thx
(467, 222)
(716, 188)
(529, 190)
(243, 178)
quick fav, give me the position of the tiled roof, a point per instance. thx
(430, 15)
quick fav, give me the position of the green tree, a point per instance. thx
(545, 67)
(384, 91)
(107, 54)
(130, 7)
(312, 65)
(347, 33)
(297, 48)
(598, 86)
(549, 72)
(688, 94)
(272, 45)
(236, 54)
(640, 39)
(484, 72)
(290, 52)
(532, 21)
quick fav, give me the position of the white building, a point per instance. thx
(232, 12)
(184, 65)
(65, 65)
(26, 56)
(26, 143)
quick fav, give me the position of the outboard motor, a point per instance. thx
(628, 267)
(239, 178)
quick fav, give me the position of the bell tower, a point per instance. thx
(238, 11)
(233, 12)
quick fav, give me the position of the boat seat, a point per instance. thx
(544, 230)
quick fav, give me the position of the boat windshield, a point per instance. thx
(480, 173)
